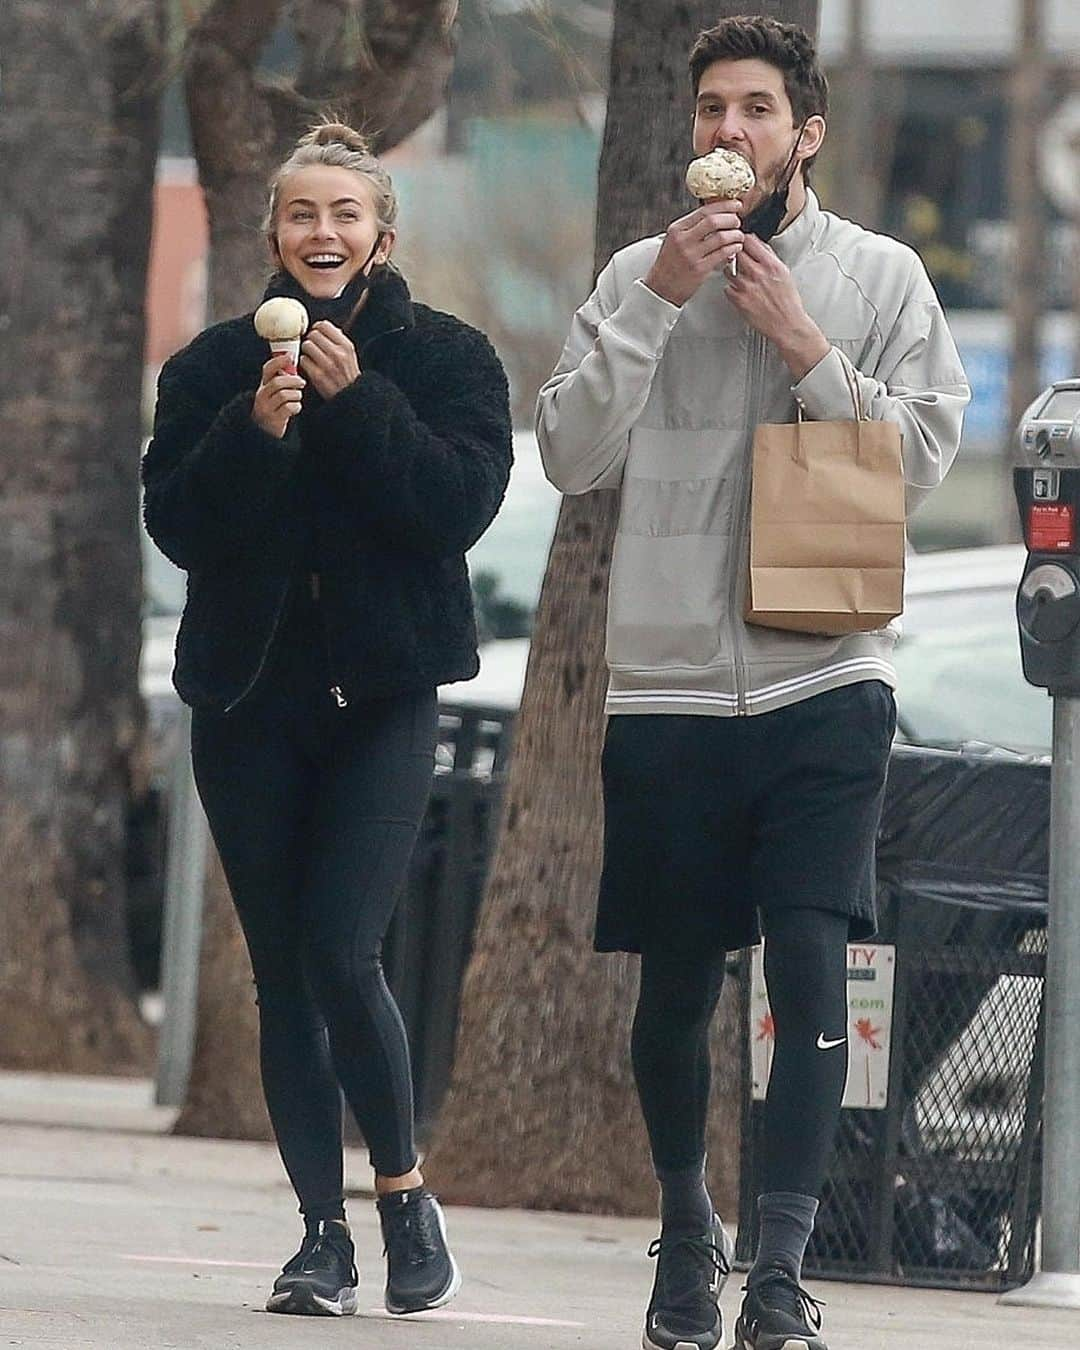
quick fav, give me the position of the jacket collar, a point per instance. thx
(388, 303)
(792, 244)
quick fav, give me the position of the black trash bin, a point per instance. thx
(942, 1186)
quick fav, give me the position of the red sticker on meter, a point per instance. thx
(1051, 528)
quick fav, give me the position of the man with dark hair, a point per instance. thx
(743, 767)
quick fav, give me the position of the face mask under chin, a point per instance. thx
(764, 220)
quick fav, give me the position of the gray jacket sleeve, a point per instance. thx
(918, 383)
(585, 411)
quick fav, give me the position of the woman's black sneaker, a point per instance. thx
(684, 1312)
(778, 1314)
(320, 1280)
(420, 1272)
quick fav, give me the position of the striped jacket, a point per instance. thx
(660, 402)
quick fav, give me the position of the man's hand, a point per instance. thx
(278, 397)
(693, 248)
(765, 294)
(328, 359)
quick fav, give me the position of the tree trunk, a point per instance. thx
(243, 126)
(1027, 211)
(542, 1110)
(79, 142)
(862, 128)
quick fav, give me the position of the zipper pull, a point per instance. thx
(315, 587)
(338, 697)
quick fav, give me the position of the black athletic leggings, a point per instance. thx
(314, 811)
(806, 974)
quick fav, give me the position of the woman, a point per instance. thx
(322, 518)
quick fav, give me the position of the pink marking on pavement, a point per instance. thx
(198, 1261)
(449, 1315)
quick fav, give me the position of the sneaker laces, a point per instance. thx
(706, 1253)
(410, 1234)
(788, 1296)
(323, 1248)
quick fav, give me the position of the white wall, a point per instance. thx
(947, 32)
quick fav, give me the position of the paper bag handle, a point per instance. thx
(853, 390)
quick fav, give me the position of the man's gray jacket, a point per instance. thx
(660, 403)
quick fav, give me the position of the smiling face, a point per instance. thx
(325, 228)
(743, 106)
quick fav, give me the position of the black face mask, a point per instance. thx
(765, 219)
(341, 310)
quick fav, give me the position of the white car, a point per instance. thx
(958, 663)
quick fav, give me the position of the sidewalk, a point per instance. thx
(116, 1236)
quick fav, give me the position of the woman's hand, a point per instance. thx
(328, 359)
(278, 397)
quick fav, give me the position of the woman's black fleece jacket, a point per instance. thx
(380, 490)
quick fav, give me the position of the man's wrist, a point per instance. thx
(803, 349)
(661, 292)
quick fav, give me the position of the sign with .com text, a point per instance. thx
(870, 978)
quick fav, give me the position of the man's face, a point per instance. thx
(743, 106)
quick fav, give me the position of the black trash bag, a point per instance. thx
(932, 1234)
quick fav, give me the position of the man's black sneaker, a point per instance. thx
(320, 1280)
(420, 1272)
(778, 1314)
(684, 1313)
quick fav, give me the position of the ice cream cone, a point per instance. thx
(289, 347)
(283, 322)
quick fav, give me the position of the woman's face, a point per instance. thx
(326, 227)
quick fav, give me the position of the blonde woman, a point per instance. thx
(322, 517)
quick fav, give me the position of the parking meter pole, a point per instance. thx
(1058, 1282)
(185, 870)
(1061, 1119)
(1046, 478)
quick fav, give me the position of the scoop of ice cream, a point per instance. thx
(719, 175)
(281, 319)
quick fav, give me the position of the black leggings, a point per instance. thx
(806, 974)
(314, 811)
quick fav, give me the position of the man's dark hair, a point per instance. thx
(750, 37)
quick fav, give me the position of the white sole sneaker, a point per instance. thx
(452, 1287)
(302, 1301)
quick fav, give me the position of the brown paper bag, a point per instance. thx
(826, 525)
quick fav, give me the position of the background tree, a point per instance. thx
(383, 67)
(542, 1110)
(78, 140)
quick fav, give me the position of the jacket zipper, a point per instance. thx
(265, 653)
(740, 540)
(315, 579)
(336, 693)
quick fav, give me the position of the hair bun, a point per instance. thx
(337, 133)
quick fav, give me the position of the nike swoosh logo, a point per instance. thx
(823, 1044)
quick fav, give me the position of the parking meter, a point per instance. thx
(1047, 483)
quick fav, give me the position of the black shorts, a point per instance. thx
(708, 820)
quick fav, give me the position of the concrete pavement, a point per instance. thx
(117, 1236)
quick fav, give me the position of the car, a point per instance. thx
(958, 662)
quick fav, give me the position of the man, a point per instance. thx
(743, 767)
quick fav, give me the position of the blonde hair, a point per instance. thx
(343, 147)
